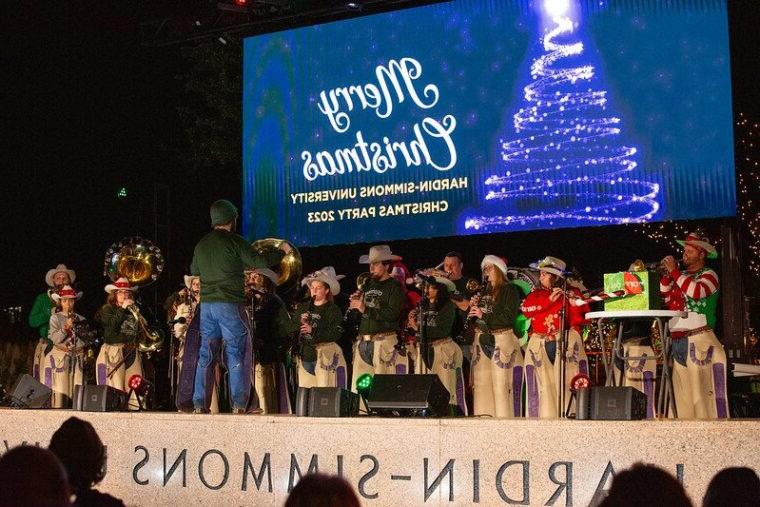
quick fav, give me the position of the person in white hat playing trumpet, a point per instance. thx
(42, 309)
(380, 304)
(63, 364)
(497, 359)
(433, 320)
(542, 365)
(119, 358)
(318, 325)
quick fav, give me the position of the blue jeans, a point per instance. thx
(228, 322)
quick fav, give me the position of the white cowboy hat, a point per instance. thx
(274, 277)
(551, 265)
(60, 268)
(378, 253)
(326, 275)
(66, 293)
(494, 260)
(120, 284)
(446, 283)
(698, 240)
(189, 280)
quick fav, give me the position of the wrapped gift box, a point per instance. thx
(648, 299)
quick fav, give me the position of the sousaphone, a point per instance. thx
(289, 268)
(139, 261)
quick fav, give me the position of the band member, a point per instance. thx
(699, 369)
(317, 322)
(380, 305)
(42, 309)
(497, 360)
(542, 363)
(219, 259)
(403, 276)
(435, 351)
(63, 364)
(269, 318)
(184, 306)
(119, 358)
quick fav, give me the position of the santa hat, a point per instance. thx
(499, 262)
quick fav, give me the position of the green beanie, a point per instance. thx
(223, 212)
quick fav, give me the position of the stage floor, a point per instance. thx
(164, 458)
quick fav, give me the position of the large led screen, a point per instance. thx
(479, 116)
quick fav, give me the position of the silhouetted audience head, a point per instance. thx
(78, 446)
(645, 485)
(32, 477)
(734, 487)
(319, 490)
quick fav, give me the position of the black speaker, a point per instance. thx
(100, 399)
(611, 403)
(408, 395)
(332, 402)
(27, 392)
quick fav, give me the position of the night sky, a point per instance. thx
(86, 109)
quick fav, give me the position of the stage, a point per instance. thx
(169, 459)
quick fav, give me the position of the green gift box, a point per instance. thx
(649, 299)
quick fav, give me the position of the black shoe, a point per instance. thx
(200, 411)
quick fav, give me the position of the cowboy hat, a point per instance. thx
(66, 293)
(189, 280)
(499, 262)
(551, 265)
(60, 268)
(120, 284)
(273, 277)
(325, 275)
(379, 253)
(698, 240)
(446, 283)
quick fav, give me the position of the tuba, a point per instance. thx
(139, 261)
(289, 268)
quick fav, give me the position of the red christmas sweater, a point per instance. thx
(544, 313)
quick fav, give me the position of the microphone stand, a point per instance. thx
(561, 349)
(172, 363)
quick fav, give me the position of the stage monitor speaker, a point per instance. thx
(332, 402)
(408, 396)
(611, 403)
(100, 399)
(27, 392)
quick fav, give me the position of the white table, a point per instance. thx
(666, 394)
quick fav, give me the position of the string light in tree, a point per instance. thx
(748, 168)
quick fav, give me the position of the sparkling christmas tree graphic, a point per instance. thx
(566, 163)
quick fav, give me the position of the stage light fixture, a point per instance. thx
(139, 385)
(579, 381)
(241, 3)
(364, 385)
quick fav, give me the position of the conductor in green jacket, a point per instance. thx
(219, 259)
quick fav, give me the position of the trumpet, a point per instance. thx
(482, 289)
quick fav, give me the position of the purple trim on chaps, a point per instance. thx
(36, 372)
(49, 377)
(340, 377)
(460, 391)
(583, 366)
(400, 369)
(282, 388)
(247, 355)
(517, 375)
(102, 374)
(648, 379)
(719, 385)
(530, 384)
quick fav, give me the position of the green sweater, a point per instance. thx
(119, 325)
(220, 258)
(501, 313)
(384, 302)
(39, 317)
(439, 323)
(325, 322)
